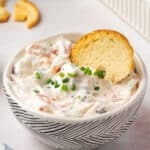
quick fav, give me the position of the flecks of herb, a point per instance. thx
(100, 73)
(72, 74)
(36, 91)
(64, 88)
(56, 84)
(86, 71)
(73, 87)
(65, 80)
(96, 88)
(52, 82)
(38, 75)
(61, 74)
(48, 81)
(82, 68)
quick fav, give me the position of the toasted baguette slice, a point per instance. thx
(2, 2)
(4, 14)
(107, 50)
(26, 11)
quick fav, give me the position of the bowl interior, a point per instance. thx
(139, 67)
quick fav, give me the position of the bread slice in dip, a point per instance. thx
(107, 50)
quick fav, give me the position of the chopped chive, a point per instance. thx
(82, 68)
(61, 74)
(48, 81)
(52, 82)
(64, 88)
(38, 75)
(65, 80)
(73, 87)
(36, 91)
(72, 74)
(87, 71)
(96, 88)
(56, 84)
(100, 73)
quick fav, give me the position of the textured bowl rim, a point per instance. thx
(141, 90)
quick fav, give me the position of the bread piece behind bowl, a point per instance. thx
(2, 2)
(26, 11)
(4, 14)
(107, 50)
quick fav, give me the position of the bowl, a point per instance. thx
(77, 133)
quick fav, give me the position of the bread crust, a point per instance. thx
(2, 2)
(89, 40)
(26, 11)
(4, 15)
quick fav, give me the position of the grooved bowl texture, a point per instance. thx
(82, 133)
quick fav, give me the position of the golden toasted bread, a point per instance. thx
(26, 11)
(4, 14)
(2, 2)
(107, 50)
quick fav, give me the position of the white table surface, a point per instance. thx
(68, 16)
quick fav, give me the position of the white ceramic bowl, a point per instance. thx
(81, 133)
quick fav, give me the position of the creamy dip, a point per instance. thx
(45, 80)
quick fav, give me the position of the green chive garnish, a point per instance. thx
(52, 82)
(72, 74)
(64, 88)
(38, 75)
(73, 87)
(82, 68)
(56, 84)
(61, 74)
(48, 81)
(96, 88)
(87, 71)
(100, 73)
(65, 80)
(36, 91)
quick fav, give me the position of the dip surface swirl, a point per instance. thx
(45, 80)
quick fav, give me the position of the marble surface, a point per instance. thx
(68, 16)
